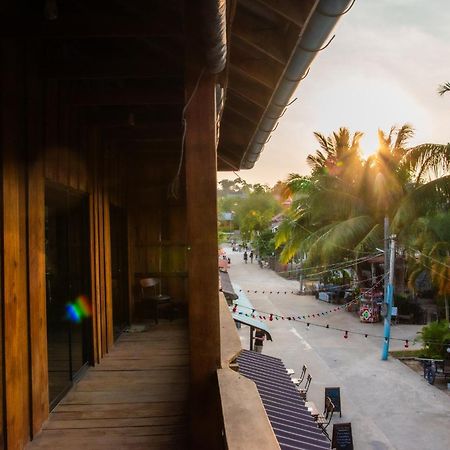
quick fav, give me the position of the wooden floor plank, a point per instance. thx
(59, 423)
(114, 410)
(136, 398)
(143, 364)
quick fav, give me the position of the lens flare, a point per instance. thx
(79, 309)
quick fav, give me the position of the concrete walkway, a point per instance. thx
(389, 405)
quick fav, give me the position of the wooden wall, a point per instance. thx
(157, 229)
(47, 140)
(43, 140)
(14, 282)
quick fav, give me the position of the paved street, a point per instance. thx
(389, 405)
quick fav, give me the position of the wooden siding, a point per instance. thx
(13, 283)
(42, 140)
(157, 228)
(136, 398)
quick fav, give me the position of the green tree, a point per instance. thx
(436, 337)
(255, 212)
(264, 242)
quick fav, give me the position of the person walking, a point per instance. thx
(251, 256)
(245, 257)
(259, 340)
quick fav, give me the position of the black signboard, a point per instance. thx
(342, 436)
(335, 394)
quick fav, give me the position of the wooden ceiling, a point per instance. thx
(119, 65)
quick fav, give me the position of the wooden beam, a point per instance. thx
(267, 39)
(245, 109)
(140, 115)
(201, 201)
(162, 147)
(150, 132)
(167, 91)
(36, 247)
(160, 23)
(225, 160)
(291, 10)
(235, 116)
(245, 88)
(101, 248)
(108, 270)
(256, 67)
(105, 68)
(112, 58)
(92, 143)
(13, 246)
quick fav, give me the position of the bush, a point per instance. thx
(436, 338)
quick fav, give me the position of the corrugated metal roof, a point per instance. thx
(291, 421)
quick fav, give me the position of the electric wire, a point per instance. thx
(173, 187)
(427, 256)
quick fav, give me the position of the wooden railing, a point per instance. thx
(245, 422)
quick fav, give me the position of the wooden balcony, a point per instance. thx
(136, 398)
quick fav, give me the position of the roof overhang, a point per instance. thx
(271, 46)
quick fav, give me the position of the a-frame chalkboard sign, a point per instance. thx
(335, 394)
(342, 436)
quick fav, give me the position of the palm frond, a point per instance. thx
(371, 240)
(432, 195)
(404, 133)
(443, 88)
(427, 157)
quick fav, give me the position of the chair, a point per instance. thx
(157, 299)
(323, 420)
(304, 391)
(299, 381)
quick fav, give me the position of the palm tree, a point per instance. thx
(338, 154)
(328, 211)
(428, 250)
(340, 211)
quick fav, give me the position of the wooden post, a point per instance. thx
(14, 267)
(36, 245)
(201, 186)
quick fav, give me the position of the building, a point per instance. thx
(115, 117)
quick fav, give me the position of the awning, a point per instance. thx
(291, 421)
(245, 310)
(226, 287)
(251, 322)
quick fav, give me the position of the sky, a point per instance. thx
(382, 69)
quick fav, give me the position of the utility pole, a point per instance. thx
(389, 300)
(386, 254)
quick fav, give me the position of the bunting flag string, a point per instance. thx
(301, 319)
(296, 292)
(263, 315)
